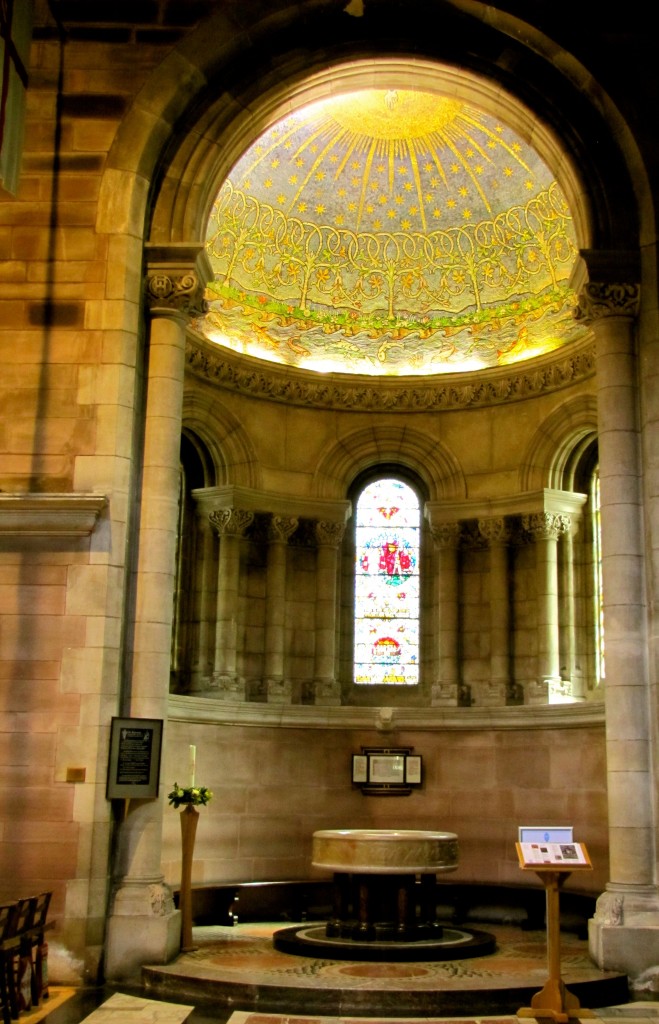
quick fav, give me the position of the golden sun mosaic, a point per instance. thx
(390, 232)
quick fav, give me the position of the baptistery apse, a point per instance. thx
(390, 232)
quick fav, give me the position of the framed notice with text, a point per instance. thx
(391, 771)
(134, 762)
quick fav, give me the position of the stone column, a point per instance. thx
(278, 688)
(205, 591)
(445, 688)
(624, 934)
(571, 671)
(497, 534)
(143, 925)
(231, 525)
(328, 538)
(546, 528)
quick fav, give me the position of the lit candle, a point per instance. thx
(193, 760)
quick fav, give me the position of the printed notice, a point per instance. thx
(566, 855)
(134, 761)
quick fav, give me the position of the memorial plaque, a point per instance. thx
(134, 764)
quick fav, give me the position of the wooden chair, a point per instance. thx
(21, 954)
(36, 928)
(8, 948)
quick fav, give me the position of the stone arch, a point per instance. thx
(223, 435)
(174, 144)
(348, 456)
(571, 424)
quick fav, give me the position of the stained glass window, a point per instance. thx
(387, 535)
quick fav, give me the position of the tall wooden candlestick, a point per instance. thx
(189, 819)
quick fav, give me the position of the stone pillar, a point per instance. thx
(497, 534)
(143, 925)
(205, 591)
(571, 671)
(278, 688)
(326, 685)
(546, 528)
(445, 688)
(624, 933)
(231, 525)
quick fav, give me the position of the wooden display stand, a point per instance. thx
(553, 863)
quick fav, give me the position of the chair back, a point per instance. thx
(8, 920)
(39, 909)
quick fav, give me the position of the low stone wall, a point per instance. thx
(311, 900)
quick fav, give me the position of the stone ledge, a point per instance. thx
(208, 709)
(49, 515)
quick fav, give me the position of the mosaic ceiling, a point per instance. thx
(390, 232)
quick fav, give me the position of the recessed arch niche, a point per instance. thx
(200, 158)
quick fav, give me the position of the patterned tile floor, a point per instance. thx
(243, 959)
(239, 968)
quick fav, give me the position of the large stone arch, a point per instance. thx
(226, 81)
(348, 456)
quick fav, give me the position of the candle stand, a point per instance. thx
(189, 818)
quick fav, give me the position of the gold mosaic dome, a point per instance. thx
(391, 232)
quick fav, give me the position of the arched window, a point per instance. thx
(387, 584)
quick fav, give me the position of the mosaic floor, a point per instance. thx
(239, 968)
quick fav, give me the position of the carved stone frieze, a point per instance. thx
(276, 383)
(598, 300)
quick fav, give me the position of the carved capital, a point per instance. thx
(546, 525)
(280, 528)
(446, 535)
(329, 533)
(231, 522)
(175, 290)
(598, 300)
(494, 530)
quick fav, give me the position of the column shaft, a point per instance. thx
(328, 538)
(445, 689)
(143, 924)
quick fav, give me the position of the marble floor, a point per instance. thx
(255, 984)
(238, 967)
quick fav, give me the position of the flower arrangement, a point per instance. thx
(195, 795)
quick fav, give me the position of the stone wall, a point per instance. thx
(273, 787)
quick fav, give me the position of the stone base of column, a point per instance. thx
(624, 936)
(143, 928)
(444, 695)
(201, 681)
(327, 692)
(278, 691)
(537, 691)
(227, 687)
(491, 695)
